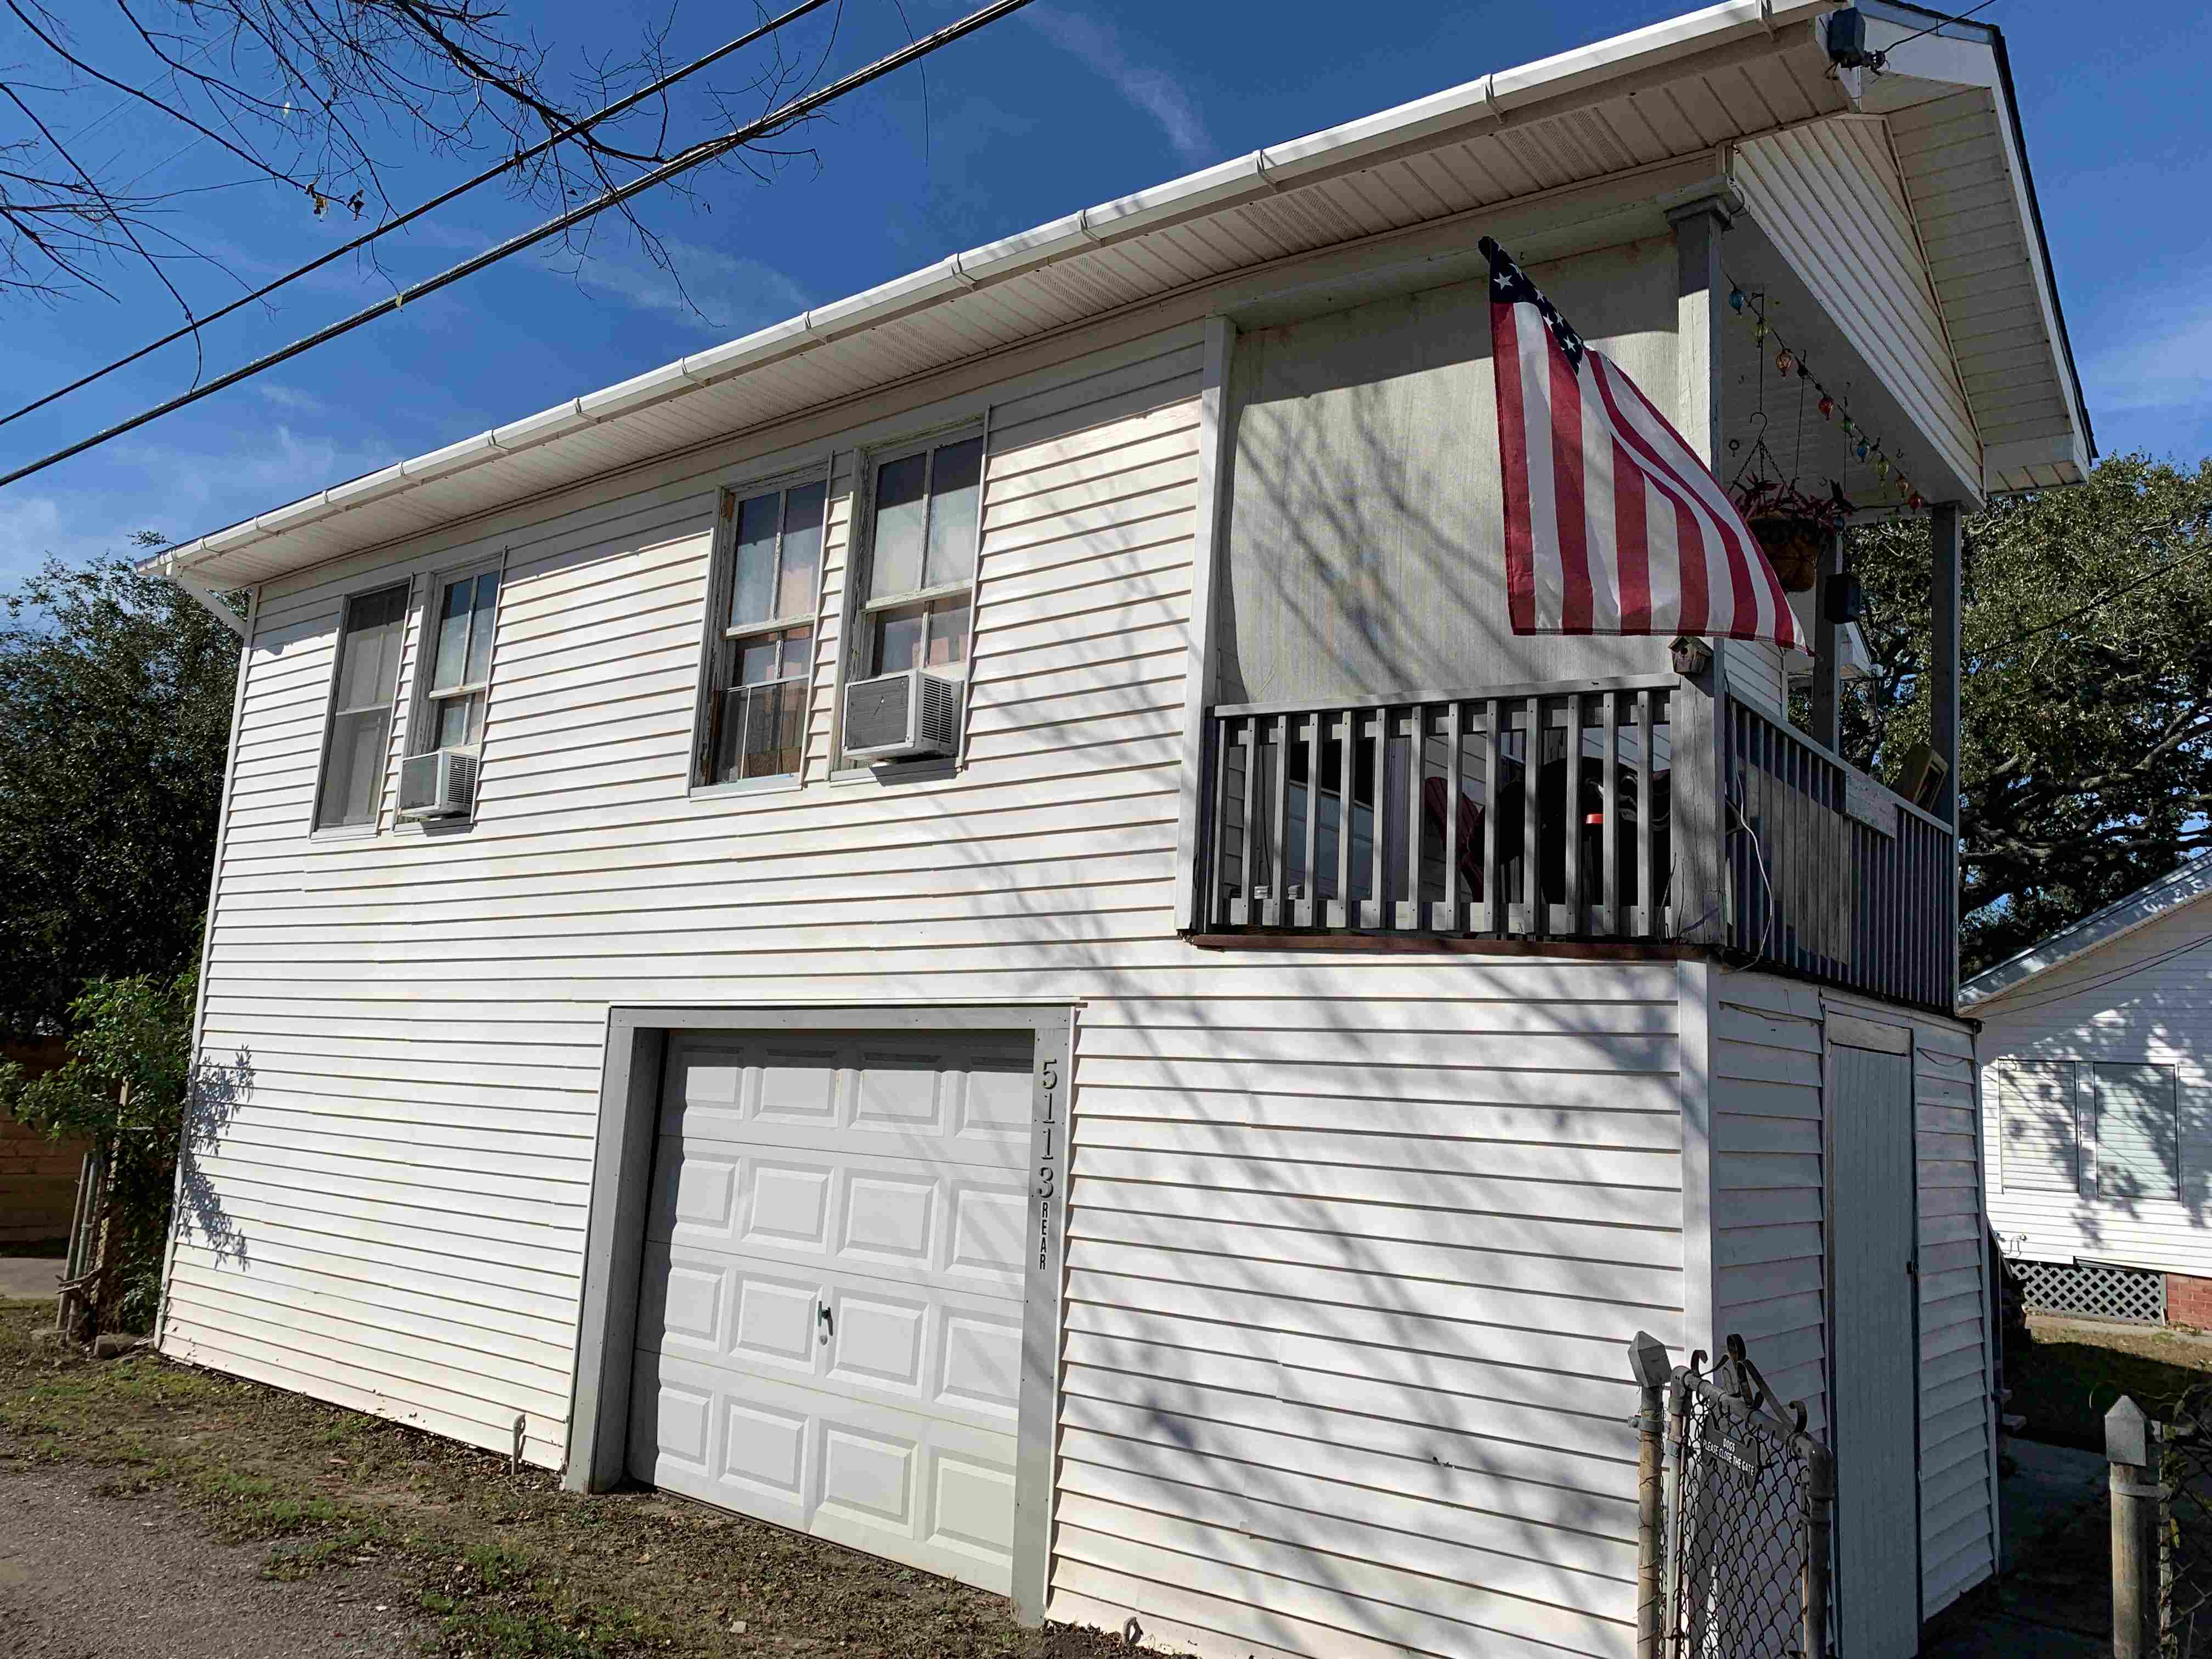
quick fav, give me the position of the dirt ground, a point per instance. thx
(85, 1576)
(203, 1517)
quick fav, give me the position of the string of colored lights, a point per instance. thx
(1789, 362)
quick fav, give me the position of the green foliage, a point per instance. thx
(115, 701)
(124, 1088)
(2086, 753)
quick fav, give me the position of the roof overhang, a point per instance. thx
(2139, 909)
(1652, 101)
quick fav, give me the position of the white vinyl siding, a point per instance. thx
(2136, 1001)
(2038, 1131)
(395, 1211)
(1769, 1249)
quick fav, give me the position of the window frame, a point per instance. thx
(373, 825)
(425, 699)
(859, 611)
(720, 639)
(2087, 1071)
(2003, 1072)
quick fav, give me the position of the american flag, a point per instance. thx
(1613, 525)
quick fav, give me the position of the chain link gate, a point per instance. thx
(1733, 1541)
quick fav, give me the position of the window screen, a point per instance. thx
(2138, 1139)
(361, 708)
(2039, 1149)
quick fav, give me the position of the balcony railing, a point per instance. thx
(1590, 811)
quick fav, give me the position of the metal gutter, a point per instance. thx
(1492, 99)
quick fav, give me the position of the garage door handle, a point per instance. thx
(826, 1319)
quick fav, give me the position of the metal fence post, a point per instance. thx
(1647, 1363)
(1819, 1504)
(2128, 1449)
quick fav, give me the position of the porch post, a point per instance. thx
(1943, 653)
(1698, 896)
(1827, 649)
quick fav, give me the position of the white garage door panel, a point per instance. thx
(957, 1226)
(901, 1484)
(949, 1352)
(830, 1317)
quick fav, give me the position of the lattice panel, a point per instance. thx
(2090, 1291)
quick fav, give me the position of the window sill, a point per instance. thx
(894, 772)
(347, 832)
(782, 783)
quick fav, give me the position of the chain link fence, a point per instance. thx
(1733, 1542)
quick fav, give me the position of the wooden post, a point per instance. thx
(1697, 892)
(1827, 651)
(1647, 1363)
(1943, 651)
(2130, 1448)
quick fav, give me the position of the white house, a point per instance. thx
(2094, 1089)
(954, 924)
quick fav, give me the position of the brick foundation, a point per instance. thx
(2189, 1302)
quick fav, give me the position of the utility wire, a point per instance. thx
(193, 326)
(707, 150)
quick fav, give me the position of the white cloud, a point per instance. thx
(1154, 91)
(181, 492)
(714, 292)
(291, 398)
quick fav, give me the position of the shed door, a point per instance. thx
(1876, 1353)
(830, 1317)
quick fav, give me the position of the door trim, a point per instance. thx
(1846, 1031)
(637, 1044)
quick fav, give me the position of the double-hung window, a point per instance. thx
(351, 790)
(916, 608)
(457, 673)
(755, 724)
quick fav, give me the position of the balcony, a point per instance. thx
(1640, 810)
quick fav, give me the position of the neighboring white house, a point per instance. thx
(956, 924)
(2096, 1051)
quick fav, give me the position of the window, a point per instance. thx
(368, 677)
(756, 720)
(2039, 1146)
(919, 601)
(457, 638)
(2138, 1131)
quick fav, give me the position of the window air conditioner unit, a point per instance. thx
(441, 784)
(899, 716)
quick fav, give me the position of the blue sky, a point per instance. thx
(1069, 103)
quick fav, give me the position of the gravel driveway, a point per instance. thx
(86, 1577)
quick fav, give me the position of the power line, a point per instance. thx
(704, 151)
(193, 326)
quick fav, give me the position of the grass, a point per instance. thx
(506, 1565)
(2066, 1374)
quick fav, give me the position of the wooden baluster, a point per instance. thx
(1279, 874)
(1247, 912)
(1345, 912)
(1573, 826)
(1608, 878)
(1532, 811)
(1375, 723)
(1310, 912)
(1452, 917)
(1646, 920)
(1493, 773)
(1409, 916)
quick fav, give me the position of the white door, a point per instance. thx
(1877, 1360)
(830, 1322)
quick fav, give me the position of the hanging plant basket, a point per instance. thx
(1793, 529)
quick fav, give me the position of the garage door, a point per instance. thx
(830, 1323)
